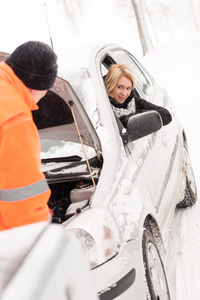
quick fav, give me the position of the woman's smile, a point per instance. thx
(122, 89)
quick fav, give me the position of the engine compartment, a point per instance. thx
(69, 198)
(71, 185)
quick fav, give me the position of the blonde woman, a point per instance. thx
(120, 84)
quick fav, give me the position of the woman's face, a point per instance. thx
(122, 89)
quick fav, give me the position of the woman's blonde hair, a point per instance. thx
(113, 75)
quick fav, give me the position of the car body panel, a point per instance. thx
(122, 277)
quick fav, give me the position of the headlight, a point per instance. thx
(96, 231)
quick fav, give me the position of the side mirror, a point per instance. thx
(142, 124)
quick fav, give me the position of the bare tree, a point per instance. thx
(142, 27)
(159, 11)
(195, 10)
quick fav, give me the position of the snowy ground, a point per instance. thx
(177, 68)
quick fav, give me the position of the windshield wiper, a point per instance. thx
(62, 159)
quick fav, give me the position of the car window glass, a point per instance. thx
(106, 63)
(143, 82)
(104, 70)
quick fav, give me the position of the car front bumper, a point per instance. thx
(122, 277)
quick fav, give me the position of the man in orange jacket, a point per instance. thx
(25, 77)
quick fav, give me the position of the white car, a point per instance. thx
(115, 189)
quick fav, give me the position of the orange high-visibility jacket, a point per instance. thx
(24, 192)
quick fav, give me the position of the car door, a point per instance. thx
(153, 154)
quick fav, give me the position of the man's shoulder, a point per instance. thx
(11, 102)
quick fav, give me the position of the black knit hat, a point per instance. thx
(35, 64)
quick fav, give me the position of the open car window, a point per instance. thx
(105, 65)
(144, 85)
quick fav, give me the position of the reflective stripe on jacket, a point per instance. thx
(24, 192)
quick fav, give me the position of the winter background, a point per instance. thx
(162, 34)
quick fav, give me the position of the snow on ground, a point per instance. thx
(177, 68)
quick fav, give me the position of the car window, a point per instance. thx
(144, 83)
(104, 70)
(106, 63)
(141, 81)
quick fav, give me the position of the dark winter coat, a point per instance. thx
(134, 105)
